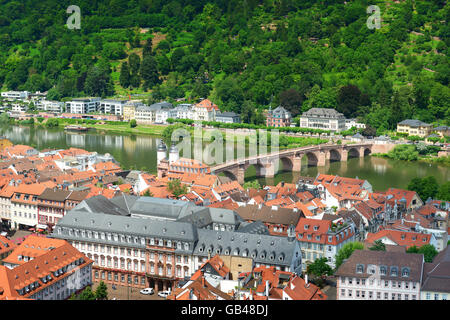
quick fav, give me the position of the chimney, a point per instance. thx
(267, 288)
(259, 205)
(306, 280)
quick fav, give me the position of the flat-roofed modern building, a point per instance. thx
(52, 106)
(112, 106)
(323, 118)
(83, 105)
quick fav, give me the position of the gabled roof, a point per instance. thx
(401, 238)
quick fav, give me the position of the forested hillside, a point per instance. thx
(242, 54)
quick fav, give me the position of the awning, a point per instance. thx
(41, 226)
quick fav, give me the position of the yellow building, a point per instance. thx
(414, 128)
(4, 143)
(129, 111)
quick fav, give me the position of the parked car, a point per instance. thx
(163, 294)
(147, 291)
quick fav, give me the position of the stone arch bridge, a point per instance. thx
(266, 164)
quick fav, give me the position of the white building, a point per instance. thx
(44, 269)
(15, 95)
(83, 105)
(112, 106)
(350, 123)
(52, 106)
(380, 275)
(184, 111)
(322, 118)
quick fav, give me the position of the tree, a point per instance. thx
(320, 268)
(254, 184)
(348, 100)
(404, 152)
(346, 251)
(133, 123)
(98, 82)
(291, 100)
(149, 72)
(428, 251)
(378, 245)
(177, 188)
(87, 294)
(444, 192)
(101, 293)
(369, 131)
(147, 193)
(124, 77)
(425, 187)
(52, 123)
(147, 50)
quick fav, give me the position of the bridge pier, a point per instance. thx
(267, 170)
(344, 155)
(297, 164)
(240, 175)
(321, 159)
(361, 152)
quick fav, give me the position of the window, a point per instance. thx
(394, 271)
(343, 292)
(383, 270)
(405, 272)
(436, 296)
(359, 268)
(393, 296)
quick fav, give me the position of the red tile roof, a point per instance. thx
(401, 238)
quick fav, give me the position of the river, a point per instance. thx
(139, 151)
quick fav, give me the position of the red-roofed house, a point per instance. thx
(322, 238)
(401, 238)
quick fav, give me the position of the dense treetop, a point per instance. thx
(249, 53)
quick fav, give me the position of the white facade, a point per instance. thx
(15, 95)
(112, 106)
(352, 288)
(81, 106)
(25, 214)
(52, 106)
(350, 123)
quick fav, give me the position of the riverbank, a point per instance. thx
(442, 161)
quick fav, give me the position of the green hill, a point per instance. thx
(244, 55)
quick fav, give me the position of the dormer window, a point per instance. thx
(405, 272)
(316, 228)
(394, 271)
(359, 268)
(383, 270)
(306, 227)
(318, 238)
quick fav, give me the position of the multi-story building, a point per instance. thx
(5, 205)
(51, 205)
(83, 105)
(414, 128)
(144, 115)
(350, 123)
(380, 275)
(228, 117)
(44, 269)
(24, 205)
(279, 117)
(163, 111)
(205, 111)
(436, 278)
(52, 106)
(15, 95)
(146, 243)
(323, 238)
(323, 118)
(129, 109)
(184, 111)
(112, 106)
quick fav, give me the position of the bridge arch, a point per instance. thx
(367, 151)
(353, 153)
(334, 155)
(230, 174)
(286, 164)
(312, 159)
